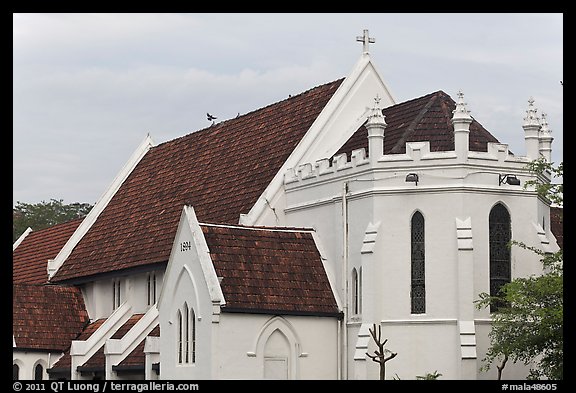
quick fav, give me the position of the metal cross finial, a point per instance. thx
(365, 40)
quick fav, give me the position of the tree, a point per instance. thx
(528, 325)
(380, 354)
(44, 214)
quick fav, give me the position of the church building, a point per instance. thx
(266, 246)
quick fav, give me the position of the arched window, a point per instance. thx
(500, 234)
(193, 334)
(15, 372)
(417, 290)
(355, 305)
(180, 334)
(151, 283)
(186, 335)
(38, 372)
(360, 290)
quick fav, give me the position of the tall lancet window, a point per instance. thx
(417, 291)
(180, 328)
(355, 292)
(186, 319)
(500, 234)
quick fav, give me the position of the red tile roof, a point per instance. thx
(269, 271)
(47, 317)
(65, 362)
(556, 225)
(30, 258)
(427, 118)
(220, 170)
(137, 357)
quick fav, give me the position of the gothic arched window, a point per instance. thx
(500, 234)
(186, 335)
(417, 290)
(15, 372)
(38, 372)
(355, 300)
(180, 329)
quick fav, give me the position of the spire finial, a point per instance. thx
(376, 116)
(531, 118)
(545, 128)
(461, 112)
(365, 40)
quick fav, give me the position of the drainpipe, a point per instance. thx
(345, 279)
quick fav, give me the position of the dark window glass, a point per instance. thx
(500, 236)
(418, 292)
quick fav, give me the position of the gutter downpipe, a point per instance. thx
(345, 279)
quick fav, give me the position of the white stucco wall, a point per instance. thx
(243, 337)
(449, 189)
(27, 361)
(134, 289)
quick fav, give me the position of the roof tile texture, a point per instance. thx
(47, 317)
(30, 258)
(269, 271)
(220, 170)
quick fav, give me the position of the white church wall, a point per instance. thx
(28, 360)
(448, 191)
(261, 346)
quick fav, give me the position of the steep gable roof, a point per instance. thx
(221, 171)
(427, 118)
(30, 258)
(266, 270)
(47, 317)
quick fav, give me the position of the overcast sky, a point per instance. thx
(87, 88)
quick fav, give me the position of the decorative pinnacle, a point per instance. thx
(461, 113)
(376, 116)
(545, 128)
(531, 118)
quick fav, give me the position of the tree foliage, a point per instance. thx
(44, 214)
(529, 327)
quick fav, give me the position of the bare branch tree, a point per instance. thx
(501, 366)
(380, 354)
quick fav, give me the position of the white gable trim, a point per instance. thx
(100, 205)
(21, 238)
(188, 218)
(344, 113)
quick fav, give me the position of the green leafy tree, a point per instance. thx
(528, 325)
(44, 214)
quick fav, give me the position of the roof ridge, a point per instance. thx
(412, 127)
(227, 121)
(258, 228)
(58, 225)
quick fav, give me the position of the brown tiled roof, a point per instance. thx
(220, 170)
(556, 225)
(269, 271)
(427, 118)
(30, 258)
(65, 361)
(137, 357)
(47, 317)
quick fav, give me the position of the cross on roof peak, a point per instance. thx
(366, 40)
